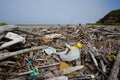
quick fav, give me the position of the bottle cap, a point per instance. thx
(79, 45)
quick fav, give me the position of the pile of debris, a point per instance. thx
(59, 53)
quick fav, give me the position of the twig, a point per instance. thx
(94, 60)
(81, 77)
(55, 64)
(103, 66)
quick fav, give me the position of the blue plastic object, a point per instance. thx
(34, 72)
(46, 69)
(29, 62)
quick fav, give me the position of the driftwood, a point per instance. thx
(28, 32)
(115, 70)
(13, 28)
(7, 28)
(81, 77)
(55, 64)
(1, 36)
(9, 54)
(68, 70)
(71, 69)
(106, 41)
(9, 43)
(94, 60)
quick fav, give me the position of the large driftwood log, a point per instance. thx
(115, 70)
(13, 28)
(9, 54)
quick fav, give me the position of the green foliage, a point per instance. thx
(98, 24)
(3, 23)
(116, 24)
(112, 18)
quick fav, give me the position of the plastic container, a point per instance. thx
(72, 55)
(78, 45)
(50, 50)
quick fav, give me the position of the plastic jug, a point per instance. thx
(78, 45)
(72, 55)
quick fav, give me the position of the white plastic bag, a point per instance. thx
(72, 55)
(49, 50)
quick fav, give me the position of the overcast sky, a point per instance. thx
(55, 11)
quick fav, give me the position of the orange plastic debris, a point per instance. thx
(64, 65)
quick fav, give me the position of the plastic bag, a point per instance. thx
(49, 50)
(72, 55)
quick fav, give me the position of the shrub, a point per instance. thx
(3, 23)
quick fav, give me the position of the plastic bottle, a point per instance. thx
(72, 55)
(78, 45)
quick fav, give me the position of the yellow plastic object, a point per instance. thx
(64, 65)
(78, 45)
(111, 57)
(72, 47)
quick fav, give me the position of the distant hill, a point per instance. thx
(111, 18)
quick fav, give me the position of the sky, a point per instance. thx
(55, 11)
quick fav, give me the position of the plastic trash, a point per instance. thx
(29, 62)
(31, 54)
(49, 50)
(72, 55)
(78, 45)
(68, 70)
(15, 39)
(64, 65)
(34, 72)
(71, 69)
(111, 57)
(46, 70)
